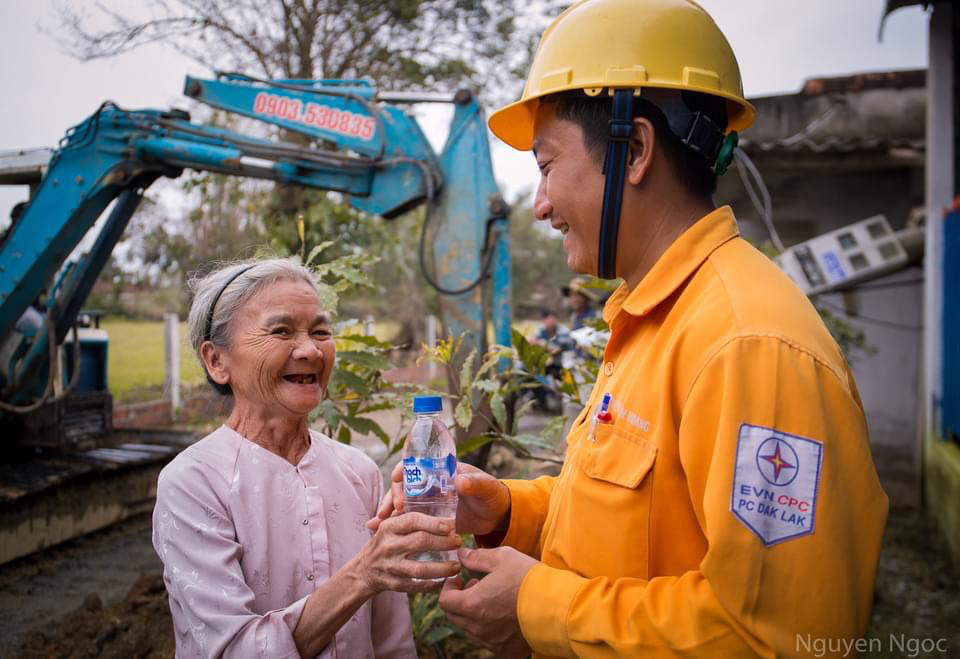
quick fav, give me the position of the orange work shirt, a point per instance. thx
(729, 506)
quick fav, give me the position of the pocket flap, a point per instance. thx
(617, 455)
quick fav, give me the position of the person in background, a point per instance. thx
(581, 300)
(557, 340)
(262, 524)
(551, 334)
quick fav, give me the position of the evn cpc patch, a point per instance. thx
(775, 483)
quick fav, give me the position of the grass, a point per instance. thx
(135, 359)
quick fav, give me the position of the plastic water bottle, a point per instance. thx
(429, 465)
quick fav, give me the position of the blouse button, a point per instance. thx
(309, 577)
(306, 521)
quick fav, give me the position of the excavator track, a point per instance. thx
(51, 496)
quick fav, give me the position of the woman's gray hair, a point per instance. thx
(228, 288)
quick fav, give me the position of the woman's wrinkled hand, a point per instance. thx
(484, 502)
(384, 562)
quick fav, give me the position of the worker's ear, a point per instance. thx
(214, 363)
(642, 145)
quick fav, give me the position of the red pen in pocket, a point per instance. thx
(603, 414)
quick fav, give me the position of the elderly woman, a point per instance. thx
(262, 525)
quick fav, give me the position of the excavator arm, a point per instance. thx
(352, 140)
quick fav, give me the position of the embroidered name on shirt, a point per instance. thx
(775, 483)
(632, 417)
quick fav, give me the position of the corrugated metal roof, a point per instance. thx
(863, 81)
(834, 145)
(881, 113)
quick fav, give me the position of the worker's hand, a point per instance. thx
(483, 507)
(383, 563)
(484, 501)
(486, 610)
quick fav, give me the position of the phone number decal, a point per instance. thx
(316, 115)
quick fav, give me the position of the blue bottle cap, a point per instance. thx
(427, 404)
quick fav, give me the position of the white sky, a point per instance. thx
(779, 44)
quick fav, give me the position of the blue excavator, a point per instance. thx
(362, 143)
(57, 440)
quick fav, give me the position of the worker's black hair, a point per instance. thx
(547, 312)
(592, 114)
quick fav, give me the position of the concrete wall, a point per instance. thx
(205, 407)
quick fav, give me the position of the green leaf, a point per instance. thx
(466, 372)
(371, 341)
(348, 380)
(520, 411)
(521, 344)
(492, 360)
(463, 415)
(377, 407)
(486, 386)
(568, 385)
(316, 251)
(531, 441)
(369, 360)
(499, 410)
(367, 427)
(344, 436)
(437, 634)
(473, 443)
(328, 297)
(330, 414)
(533, 357)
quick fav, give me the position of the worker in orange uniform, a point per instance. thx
(718, 497)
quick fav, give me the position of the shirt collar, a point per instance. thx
(675, 265)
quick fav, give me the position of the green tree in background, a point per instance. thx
(399, 44)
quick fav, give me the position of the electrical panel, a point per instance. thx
(858, 251)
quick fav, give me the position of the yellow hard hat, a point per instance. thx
(598, 45)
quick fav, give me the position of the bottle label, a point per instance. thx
(418, 476)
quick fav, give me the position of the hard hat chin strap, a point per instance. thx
(614, 170)
(695, 129)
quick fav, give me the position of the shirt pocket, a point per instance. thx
(617, 455)
(602, 516)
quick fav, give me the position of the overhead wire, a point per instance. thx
(760, 201)
(760, 196)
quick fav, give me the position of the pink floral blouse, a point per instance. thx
(245, 537)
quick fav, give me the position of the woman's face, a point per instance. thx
(281, 350)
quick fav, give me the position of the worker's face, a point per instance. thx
(281, 350)
(570, 193)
